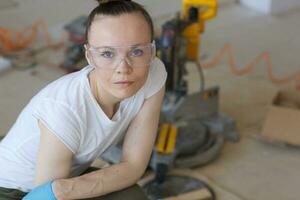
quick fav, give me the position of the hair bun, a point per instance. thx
(106, 1)
(102, 1)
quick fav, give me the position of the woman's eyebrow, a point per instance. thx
(142, 44)
(104, 47)
(139, 44)
(114, 47)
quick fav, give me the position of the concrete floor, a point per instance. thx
(249, 170)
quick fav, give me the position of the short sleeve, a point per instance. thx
(60, 120)
(156, 78)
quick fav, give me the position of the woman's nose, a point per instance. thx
(124, 66)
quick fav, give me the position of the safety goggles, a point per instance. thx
(110, 57)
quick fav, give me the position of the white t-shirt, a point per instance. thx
(68, 108)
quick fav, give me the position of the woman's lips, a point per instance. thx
(123, 83)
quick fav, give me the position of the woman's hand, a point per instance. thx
(44, 192)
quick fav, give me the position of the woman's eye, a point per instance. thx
(107, 54)
(137, 52)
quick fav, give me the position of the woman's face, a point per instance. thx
(122, 31)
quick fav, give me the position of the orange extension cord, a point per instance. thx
(11, 42)
(17, 40)
(264, 56)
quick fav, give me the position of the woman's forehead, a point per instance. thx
(133, 46)
(121, 30)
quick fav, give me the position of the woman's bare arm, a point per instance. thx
(53, 159)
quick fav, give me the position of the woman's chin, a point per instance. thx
(124, 94)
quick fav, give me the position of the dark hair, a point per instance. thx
(116, 8)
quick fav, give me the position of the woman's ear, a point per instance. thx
(87, 56)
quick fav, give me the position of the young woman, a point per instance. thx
(74, 119)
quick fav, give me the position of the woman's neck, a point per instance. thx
(108, 103)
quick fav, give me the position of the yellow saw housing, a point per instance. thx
(207, 9)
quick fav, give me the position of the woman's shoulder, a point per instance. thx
(66, 88)
(156, 78)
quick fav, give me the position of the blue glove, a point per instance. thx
(42, 192)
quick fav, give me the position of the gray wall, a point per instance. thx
(271, 6)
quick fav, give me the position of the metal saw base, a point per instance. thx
(175, 186)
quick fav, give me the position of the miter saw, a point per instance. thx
(193, 130)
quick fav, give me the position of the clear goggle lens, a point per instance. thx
(111, 57)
